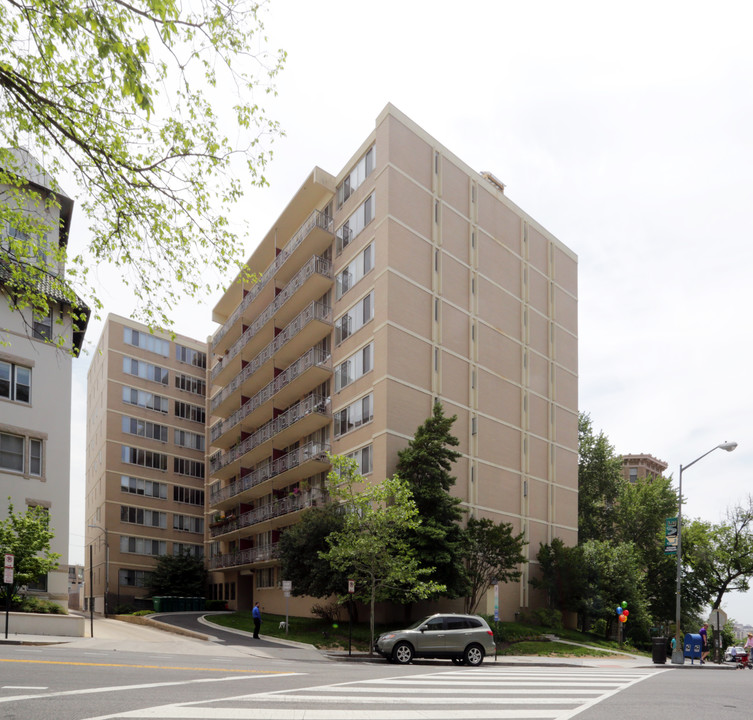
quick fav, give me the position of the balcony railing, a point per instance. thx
(277, 508)
(310, 404)
(315, 265)
(311, 358)
(244, 557)
(293, 459)
(315, 311)
(316, 219)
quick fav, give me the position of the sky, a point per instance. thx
(624, 129)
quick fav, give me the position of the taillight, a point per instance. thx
(489, 632)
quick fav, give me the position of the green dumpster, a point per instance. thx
(157, 604)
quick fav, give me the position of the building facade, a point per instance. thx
(145, 450)
(36, 356)
(642, 466)
(406, 278)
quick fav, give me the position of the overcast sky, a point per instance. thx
(625, 129)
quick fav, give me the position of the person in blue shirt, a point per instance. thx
(256, 614)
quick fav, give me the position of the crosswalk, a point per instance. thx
(502, 693)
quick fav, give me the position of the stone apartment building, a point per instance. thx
(145, 448)
(405, 278)
(35, 371)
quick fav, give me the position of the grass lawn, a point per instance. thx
(514, 638)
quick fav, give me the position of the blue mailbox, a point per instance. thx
(692, 647)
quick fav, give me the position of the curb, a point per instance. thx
(157, 625)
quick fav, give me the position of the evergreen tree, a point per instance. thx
(425, 465)
(182, 575)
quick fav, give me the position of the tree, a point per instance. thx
(371, 547)
(560, 575)
(300, 547)
(150, 107)
(640, 515)
(599, 479)
(182, 575)
(27, 537)
(720, 556)
(425, 465)
(491, 554)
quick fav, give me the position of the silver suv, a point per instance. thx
(463, 638)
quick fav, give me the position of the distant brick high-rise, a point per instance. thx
(642, 466)
(405, 279)
(145, 448)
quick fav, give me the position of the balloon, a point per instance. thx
(623, 618)
(626, 612)
(619, 610)
(624, 604)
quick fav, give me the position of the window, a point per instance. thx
(142, 546)
(35, 457)
(144, 458)
(355, 270)
(364, 459)
(192, 468)
(196, 551)
(633, 474)
(145, 371)
(146, 341)
(353, 226)
(42, 328)
(144, 428)
(265, 578)
(144, 399)
(356, 176)
(191, 384)
(147, 488)
(352, 417)
(192, 357)
(22, 454)
(11, 452)
(189, 523)
(141, 516)
(134, 578)
(355, 318)
(195, 413)
(192, 496)
(354, 367)
(191, 440)
(15, 382)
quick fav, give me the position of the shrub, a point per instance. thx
(599, 627)
(216, 605)
(548, 618)
(31, 604)
(327, 611)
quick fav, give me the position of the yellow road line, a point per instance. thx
(142, 667)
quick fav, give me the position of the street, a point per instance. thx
(62, 682)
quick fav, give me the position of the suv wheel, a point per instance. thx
(473, 655)
(402, 653)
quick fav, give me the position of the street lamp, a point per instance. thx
(107, 563)
(678, 657)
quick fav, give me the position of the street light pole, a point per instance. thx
(107, 563)
(678, 657)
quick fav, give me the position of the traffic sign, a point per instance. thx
(9, 560)
(351, 586)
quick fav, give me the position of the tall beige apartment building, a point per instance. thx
(406, 278)
(145, 449)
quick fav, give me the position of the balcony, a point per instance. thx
(309, 284)
(249, 556)
(270, 511)
(308, 371)
(305, 331)
(296, 465)
(315, 235)
(299, 420)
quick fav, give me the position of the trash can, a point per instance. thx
(157, 604)
(692, 647)
(659, 650)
